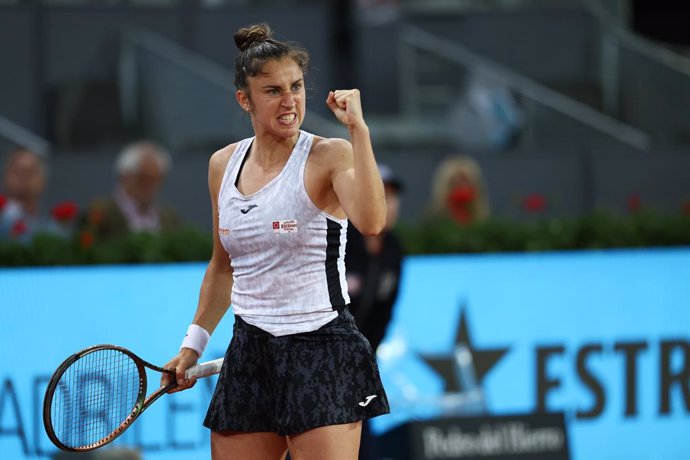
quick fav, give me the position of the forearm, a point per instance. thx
(369, 198)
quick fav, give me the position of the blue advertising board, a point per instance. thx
(601, 336)
(49, 314)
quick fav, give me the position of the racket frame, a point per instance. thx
(142, 401)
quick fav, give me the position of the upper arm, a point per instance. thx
(357, 187)
(216, 171)
(338, 155)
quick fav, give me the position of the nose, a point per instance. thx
(288, 100)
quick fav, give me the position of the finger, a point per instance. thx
(341, 95)
(330, 101)
(345, 93)
(181, 380)
(166, 377)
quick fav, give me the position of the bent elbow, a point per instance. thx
(372, 228)
(372, 232)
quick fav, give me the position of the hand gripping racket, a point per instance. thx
(97, 393)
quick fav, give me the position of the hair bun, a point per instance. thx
(255, 34)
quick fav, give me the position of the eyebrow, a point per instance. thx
(278, 86)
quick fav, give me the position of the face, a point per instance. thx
(461, 179)
(143, 184)
(24, 176)
(275, 99)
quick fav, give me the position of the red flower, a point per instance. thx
(65, 212)
(19, 228)
(3, 202)
(86, 239)
(634, 202)
(534, 203)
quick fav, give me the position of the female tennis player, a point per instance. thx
(297, 375)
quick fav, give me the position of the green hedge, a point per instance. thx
(178, 246)
(597, 231)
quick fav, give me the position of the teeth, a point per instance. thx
(288, 118)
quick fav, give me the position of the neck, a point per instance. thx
(124, 194)
(268, 151)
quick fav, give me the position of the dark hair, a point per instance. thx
(257, 47)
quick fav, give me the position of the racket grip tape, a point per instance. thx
(204, 369)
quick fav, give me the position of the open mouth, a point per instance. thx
(287, 119)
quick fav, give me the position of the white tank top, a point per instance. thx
(288, 256)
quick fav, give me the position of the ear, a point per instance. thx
(243, 100)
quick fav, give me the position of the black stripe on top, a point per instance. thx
(244, 160)
(335, 291)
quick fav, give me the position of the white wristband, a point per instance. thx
(197, 337)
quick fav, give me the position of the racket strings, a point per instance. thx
(94, 396)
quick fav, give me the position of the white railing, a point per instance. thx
(625, 38)
(615, 36)
(417, 40)
(18, 136)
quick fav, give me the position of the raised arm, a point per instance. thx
(356, 179)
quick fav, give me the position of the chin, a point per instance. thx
(289, 131)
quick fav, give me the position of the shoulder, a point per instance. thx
(331, 146)
(218, 163)
(331, 151)
(219, 159)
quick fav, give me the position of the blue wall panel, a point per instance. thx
(624, 316)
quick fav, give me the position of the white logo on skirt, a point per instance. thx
(366, 402)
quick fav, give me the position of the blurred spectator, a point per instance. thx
(459, 192)
(373, 267)
(21, 209)
(141, 168)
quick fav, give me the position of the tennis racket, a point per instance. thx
(97, 393)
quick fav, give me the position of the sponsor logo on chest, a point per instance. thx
(285, 226)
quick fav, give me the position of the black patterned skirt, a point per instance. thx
(297, 382)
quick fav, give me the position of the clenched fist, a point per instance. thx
(347, 106)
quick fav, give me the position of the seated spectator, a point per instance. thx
(459, 192)
(141, 168)
(22, 214)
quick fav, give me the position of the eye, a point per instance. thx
(297, 87)
(273, 92)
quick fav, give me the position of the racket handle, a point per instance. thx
(204, 369)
